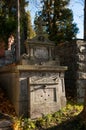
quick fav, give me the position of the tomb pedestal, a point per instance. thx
(34, 90)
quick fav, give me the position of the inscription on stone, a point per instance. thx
(41, 53)
(44, 95)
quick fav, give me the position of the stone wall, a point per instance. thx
(73, 55)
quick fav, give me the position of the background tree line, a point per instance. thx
(56, 14)
(9, 20)
(59, 18)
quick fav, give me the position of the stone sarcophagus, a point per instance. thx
(34, 90)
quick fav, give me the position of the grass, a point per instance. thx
(50, 121)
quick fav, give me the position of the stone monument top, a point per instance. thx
(40, 50)
(41, 36)
(40, 25)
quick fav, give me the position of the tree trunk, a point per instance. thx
(18, 32)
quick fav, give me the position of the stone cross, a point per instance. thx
(40, 23)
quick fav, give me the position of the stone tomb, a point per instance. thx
(34, 90)
(36, 87)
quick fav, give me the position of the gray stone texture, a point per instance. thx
(40, 52)
(5, 125)
(34, 90)
(73, 55)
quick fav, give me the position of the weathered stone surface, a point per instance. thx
(5, 125)
(37, 87)
(22, 108)
(73, 55)
(23, 96)
(82, 49)
(80, 92)
(35, 90)
(81, 57)
(81, 83)
(40, 51)
(80, 43)
(81, 88)
(45, 90)
(81, 75)
(81, 66)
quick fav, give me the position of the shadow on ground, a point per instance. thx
(72, 124)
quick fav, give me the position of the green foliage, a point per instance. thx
(59, 19)
(23, 124)
(49, 120)
(30, 31)
(8, 19)
(8, 16)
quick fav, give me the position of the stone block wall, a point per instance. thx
(73, 55)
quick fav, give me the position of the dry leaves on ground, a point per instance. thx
(6, 106)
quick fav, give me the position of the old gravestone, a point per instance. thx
(36, 87)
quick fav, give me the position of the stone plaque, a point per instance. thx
(41, 53)
(44, 95)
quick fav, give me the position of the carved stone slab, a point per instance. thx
(34, 90)
(46, 92)
(41, 53)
